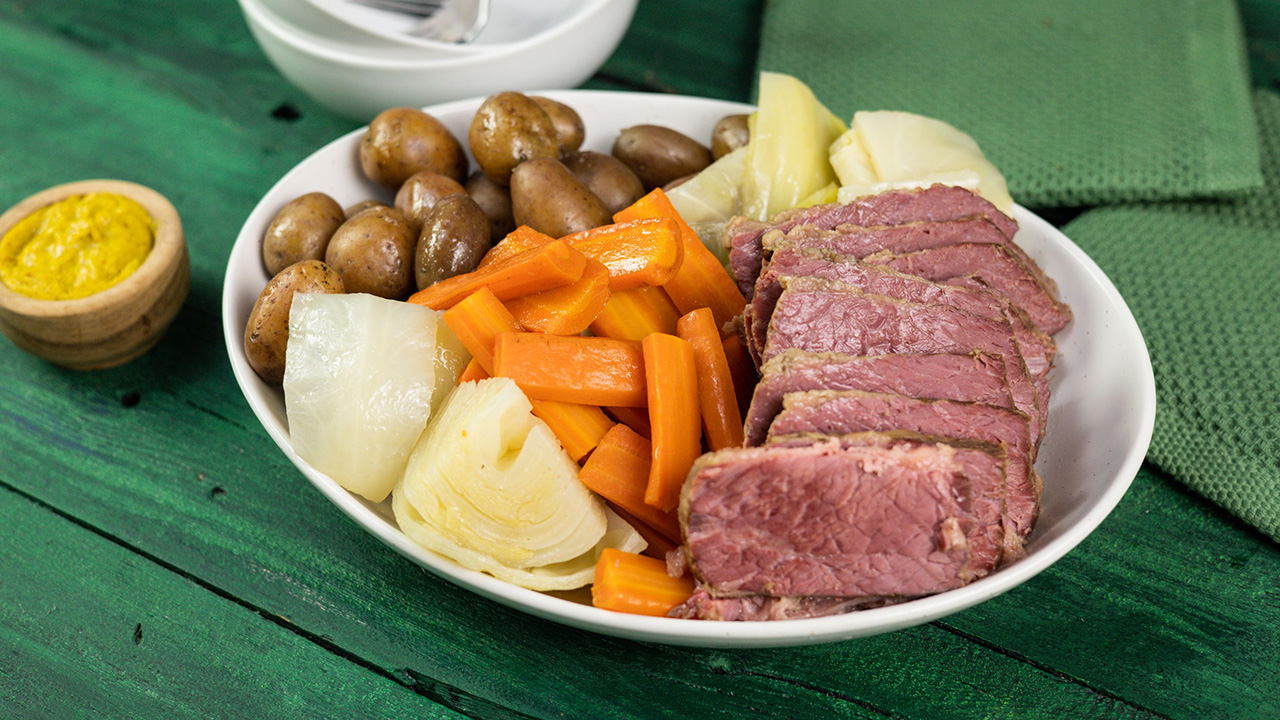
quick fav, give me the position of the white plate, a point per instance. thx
(1100, 421)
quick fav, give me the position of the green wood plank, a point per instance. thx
(89, 629)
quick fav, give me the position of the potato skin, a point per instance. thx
(495, 201)
(607, 177)
(373, 252)
(508, 129)
(361, 206)
(300, 231)
(402, 141)
(568, 124)
(455, 236)
(658, 155)
(548, 198)
(266, 335)
(729, 134)
(420, 193)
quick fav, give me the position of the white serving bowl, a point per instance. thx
(1100, 418)
(360, 82)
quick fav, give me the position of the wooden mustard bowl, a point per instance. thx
(115, 325)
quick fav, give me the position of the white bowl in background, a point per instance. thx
(1100, 422)
(361, 82)
(510, 21)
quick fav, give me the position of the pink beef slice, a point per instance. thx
(967, 294)
(819, 315)
(996, 266)
(971, 377)
(822, 520)
(839, 412)
(895, 207)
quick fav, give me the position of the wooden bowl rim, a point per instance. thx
(158, 265)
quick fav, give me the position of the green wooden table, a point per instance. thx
(159, 557)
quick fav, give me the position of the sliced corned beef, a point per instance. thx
(828, 521)
(995, 265)
(847, 411)
(828, 316)
(972, 377)
(895, 207)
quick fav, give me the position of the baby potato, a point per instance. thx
(455, 236)
(658, 155)
(420, 193)
(607, 177)
(300, 231)
(508, 129)
(266, 336)
(495, 201)
(548, 198)
(729, 134)
(373, 252)
(402, 141)
(567, 121)
(361, 206)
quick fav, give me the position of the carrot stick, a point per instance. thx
(742, 368)
(571, 368)
(633, 314)
(701, 280)
(618, 471)
(632, 583)
(477, 321)
(721, 418)
(657, 544)
(517, 241)
(578, 427)
(642, 252)
(566, 310)
(635, 418)
(671, 377)
(531, 271)
(472, 372)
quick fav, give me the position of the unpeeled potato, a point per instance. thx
(266, 335)
(403, 141)
(548, 198)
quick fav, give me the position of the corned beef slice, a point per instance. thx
(896, 207)
(827, 316)
(995, 265)
(846, 411)
(973, 377)
(829, 521)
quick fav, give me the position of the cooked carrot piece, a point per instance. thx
(742, 368)
(472, 372)
(671, 377)
(618, 471)
(657, 544)
(565, 310)
(578, 427)
(635, 418)
(572, 368)
(517, 241)
(541, 268)
(632, 583)
(701, 280)
(721, 418)
(477, 321)
(633, 314)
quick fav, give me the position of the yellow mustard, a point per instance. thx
(76, 247)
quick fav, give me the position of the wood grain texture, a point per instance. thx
(149, 495)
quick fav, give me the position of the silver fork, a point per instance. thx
(454, 21)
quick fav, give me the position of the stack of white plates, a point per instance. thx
(358, 60)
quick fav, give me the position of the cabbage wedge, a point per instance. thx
(489, 486)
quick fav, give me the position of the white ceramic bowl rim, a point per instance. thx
(307, 43)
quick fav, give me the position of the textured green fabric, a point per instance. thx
(1078, 103)
(1203, 281)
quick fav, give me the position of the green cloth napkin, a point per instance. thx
(1203, 281)
(1078, 103)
